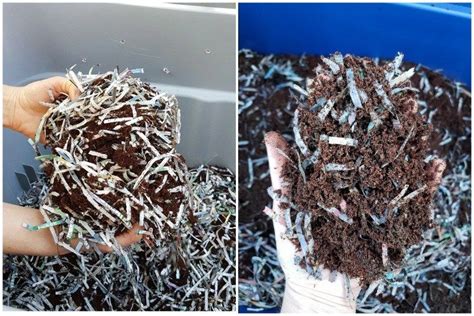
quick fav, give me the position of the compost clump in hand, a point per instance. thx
(360, 170)
(114, 162)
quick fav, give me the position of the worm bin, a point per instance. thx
(281, 48)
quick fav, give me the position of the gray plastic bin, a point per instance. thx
(195, 44)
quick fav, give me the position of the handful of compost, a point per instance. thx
(113, 162)
(358, 177)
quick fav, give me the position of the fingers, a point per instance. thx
(269, 212)
(63, 85)
(126, 239)
(130, 237)
(277, 148)
(435, 172)
(71, 90)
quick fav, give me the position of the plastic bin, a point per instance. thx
(196, 44)
(438, 36)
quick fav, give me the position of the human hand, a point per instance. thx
(23, 108)
(304, 293)
(20, 241)
(124, 239)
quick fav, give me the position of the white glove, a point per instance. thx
(303, 292)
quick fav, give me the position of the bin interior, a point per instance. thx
(196, 45)
(438, 36)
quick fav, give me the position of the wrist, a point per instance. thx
(10, 106)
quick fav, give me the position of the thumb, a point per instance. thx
(60, 85)
(277, 151)
(70, 89)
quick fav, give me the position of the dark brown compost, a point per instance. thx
(357, 173)
(435, 273)
(113, 162)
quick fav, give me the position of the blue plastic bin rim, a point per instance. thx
(436, 35)
(462, 10)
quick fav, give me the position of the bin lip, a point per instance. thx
(185, 7)
(176, 7)
(441, 8)
(454, 9)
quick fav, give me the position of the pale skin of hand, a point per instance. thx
(302, 292)
(22, 112)
(22, 108)
(17, 240)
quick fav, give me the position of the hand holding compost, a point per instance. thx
(358, 175)
(113, 162)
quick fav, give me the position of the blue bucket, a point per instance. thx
(435, 35)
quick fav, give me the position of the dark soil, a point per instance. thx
(123, 153)
(382, 167)
(274, 112)
(440, 299)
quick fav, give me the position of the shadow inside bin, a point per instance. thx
(16, 153)
(207, 133)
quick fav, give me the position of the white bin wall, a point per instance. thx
(197, 45)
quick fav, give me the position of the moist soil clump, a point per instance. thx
(358, 166)
(114, 162)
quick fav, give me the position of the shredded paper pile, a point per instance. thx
(194, 272)
(113, 157)
(114, 165)
(435, 273)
